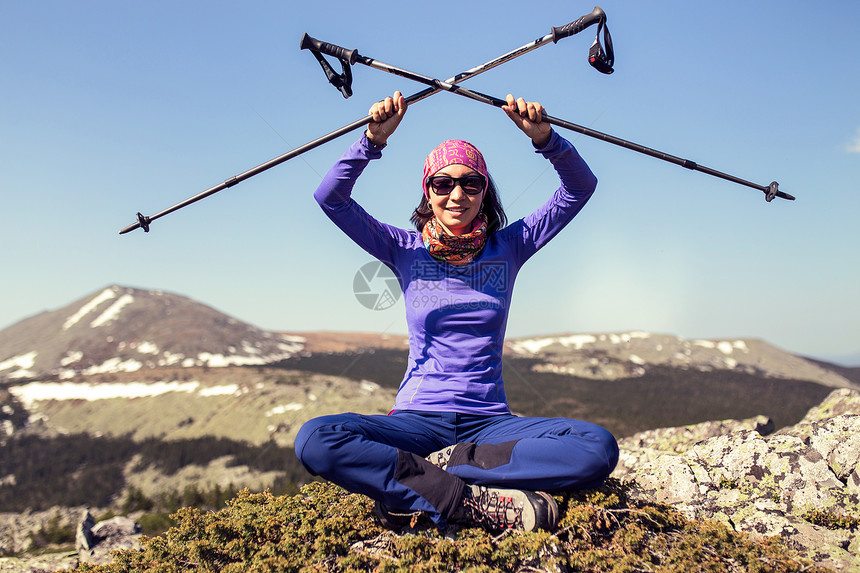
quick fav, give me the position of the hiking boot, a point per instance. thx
(498, 509)
(396, 518)
(440, 458)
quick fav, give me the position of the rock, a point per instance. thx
(84, 539)
(47, 563)
(802, 483)
(19, 532)
(643, 447)
(96, 541)
(843, 401)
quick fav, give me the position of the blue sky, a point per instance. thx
(109, 108)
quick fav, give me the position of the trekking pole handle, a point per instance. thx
(578, 25)
(342, 54)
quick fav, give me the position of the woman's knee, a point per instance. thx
(597, 455)
(312, 442)
(610, 447)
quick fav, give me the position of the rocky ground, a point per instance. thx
(94, 543)
(801, 483)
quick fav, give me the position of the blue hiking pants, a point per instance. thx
(382, 456)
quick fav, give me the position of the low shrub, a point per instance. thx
(324, 528)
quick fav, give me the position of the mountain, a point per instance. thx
(150, 364)
(122, 329)
(631, 354)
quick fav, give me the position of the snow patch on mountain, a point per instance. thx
(103, 296)
(146, 347)
(114, 364)
(113, 311)
(71, 357)
(573, 341)
(34, 392)
(224, 390)
(284, 408)
(725, 346)
(535, 345)
(22, 362)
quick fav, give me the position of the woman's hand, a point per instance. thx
(387, 115)
(529, 118)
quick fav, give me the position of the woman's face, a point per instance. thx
(456, 211)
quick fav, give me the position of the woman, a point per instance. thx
(450, 448)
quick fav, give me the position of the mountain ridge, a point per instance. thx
(629, 354)
(146, 363)
(125, 329)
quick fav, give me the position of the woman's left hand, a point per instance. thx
(528, 115)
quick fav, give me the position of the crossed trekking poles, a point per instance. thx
(600, 56)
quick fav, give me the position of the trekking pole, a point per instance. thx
(343, 82)
(771, 191)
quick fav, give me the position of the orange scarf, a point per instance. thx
(456, 250)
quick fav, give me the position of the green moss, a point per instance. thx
(831, 519)
(726, 483)
(325, 528)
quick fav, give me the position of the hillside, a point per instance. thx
(252, 404)
(150, 400)
(722, 496)
(150, 364)
(122, 329)
(129, 363)
(629, 354)
(659, 516)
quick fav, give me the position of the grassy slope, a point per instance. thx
(324, 528)
(664, 397)
(63, 470)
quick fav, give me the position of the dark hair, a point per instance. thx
(491, 208)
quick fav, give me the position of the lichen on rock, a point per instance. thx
(770, 485)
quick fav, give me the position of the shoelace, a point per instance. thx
(491, 509)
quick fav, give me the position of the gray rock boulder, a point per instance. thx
(644, 447)
(801, 483)
(96, 541)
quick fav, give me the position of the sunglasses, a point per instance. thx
(471, 184)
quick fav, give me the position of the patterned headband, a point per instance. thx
(453, 151)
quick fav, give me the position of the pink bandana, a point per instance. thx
(451, 152)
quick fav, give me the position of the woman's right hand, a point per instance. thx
(528, 115)
(387, 115)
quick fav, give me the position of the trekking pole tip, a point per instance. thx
(142, 223)
(773, 191)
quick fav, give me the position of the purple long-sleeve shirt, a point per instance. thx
(456, 315)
